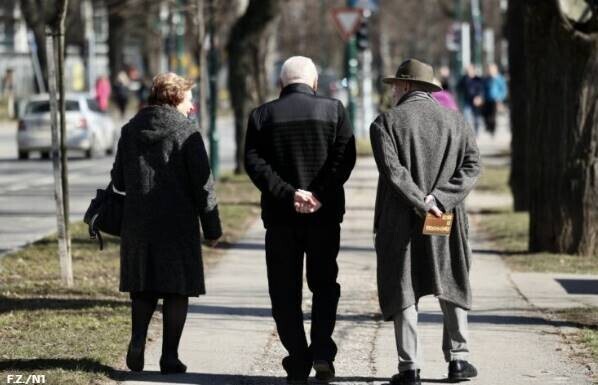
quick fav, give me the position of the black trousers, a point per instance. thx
(489, 112)
(285, 248)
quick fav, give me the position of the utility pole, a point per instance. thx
(202, 76)
(90, 43)
(366, 102)
(457, 58)
(323, 53)
(351, 66)
(180, 37)
(213, 82)
(478, 31)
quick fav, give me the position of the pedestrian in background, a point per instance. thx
(121, 92)
(495, 93)
(428, 162)
(103, 91)
(8, 91)
(300, 150)
(445, 97)
(471, 91)
(162, 167)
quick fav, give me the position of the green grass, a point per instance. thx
(364, 147)
(79, 335)
(494, 179)
(586, 320)
(508, 232)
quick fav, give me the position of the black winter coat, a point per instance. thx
(162, 165)
(300, 141)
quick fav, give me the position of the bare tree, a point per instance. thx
(519, 176)
(561, 73)
(55, 70)
(38, 14)
(116, 35)
(246, 49)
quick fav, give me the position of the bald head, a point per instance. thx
(299, 69)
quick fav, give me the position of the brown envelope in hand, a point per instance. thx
(438, 226)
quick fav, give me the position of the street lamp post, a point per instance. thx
(180, 37)
(213, 85)
(351, 67)
(477, 21)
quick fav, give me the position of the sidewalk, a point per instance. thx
(230, 337)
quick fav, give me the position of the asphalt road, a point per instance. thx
(27, 208)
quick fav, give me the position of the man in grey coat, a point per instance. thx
(428, 162)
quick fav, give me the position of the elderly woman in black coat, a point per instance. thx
(162, 167)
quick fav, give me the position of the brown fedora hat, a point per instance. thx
(415, 71)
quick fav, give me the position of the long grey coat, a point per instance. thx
(422, 148)
(161, 164)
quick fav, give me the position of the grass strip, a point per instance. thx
(79, 335)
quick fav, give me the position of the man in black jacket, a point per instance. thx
(299, 152)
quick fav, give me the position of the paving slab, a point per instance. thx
(557, 290)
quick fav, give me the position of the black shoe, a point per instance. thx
(135, 357)
(324, 370)
(172, 366)
(408, 377)
(297, 371)
(460, 370)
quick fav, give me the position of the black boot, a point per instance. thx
(135, 360)
(408, 377)
(172, 366)
(460, 370)
(297, 369)
(324, 370)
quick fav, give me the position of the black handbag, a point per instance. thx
(104, 214)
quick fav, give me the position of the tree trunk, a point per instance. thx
(201, 61)
(36, 19)
(116, 34)
(561, 77)
(57, 99)
(151, 47)
(245, 56)
(519, 176)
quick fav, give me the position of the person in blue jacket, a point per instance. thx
(495, 92)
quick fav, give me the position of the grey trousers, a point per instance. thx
(454, 336)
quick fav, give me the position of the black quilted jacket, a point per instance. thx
(300, 141)
(162, 165)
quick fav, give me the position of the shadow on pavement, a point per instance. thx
(75, 364)
(424, 317)
(498, 320)
(260, 246)
(224, 379)
(500, 252)
(11, 304)
(579, 286)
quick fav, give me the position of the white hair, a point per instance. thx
(298, 69)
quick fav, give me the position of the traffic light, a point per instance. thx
(362, 36)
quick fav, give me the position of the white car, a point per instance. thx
(88, 129)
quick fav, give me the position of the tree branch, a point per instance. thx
(568, 26)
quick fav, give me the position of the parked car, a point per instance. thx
(88, 129)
